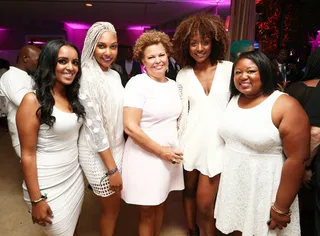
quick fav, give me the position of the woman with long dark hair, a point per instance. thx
(48, 124)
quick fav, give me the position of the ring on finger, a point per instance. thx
(174, 161)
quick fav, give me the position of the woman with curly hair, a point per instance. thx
(151, 162)
(200, 43)
(101, 141)
(48, 123)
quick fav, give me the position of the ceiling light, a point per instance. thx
(88, 4)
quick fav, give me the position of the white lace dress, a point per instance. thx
(252, 165)
(201, 115)
(97, 135)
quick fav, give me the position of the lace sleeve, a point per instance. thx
(182, 120)
(94, 128)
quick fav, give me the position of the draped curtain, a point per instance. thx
(242, 20)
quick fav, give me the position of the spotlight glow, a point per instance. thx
(74, 25)
(139, 27)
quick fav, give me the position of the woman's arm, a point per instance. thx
(294, 128)
(28, 127)
(132, 117)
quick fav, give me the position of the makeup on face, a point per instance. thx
(200, 48)
(247, 77)
(106, 50)
(67, 65)
(155, 60)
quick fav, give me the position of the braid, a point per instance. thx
(92, 37)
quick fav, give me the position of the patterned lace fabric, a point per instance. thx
(101, 93)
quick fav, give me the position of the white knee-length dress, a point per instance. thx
(201, 116)
(59, 172)
(148, 179)
(252, 165)
(101, 131)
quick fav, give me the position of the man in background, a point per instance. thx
(129, 66)
(17, 82)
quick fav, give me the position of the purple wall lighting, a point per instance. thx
(37, 42)
(203, 2)
(316, 42)
(139, 27)
(74, 25)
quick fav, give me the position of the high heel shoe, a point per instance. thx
(194, 232)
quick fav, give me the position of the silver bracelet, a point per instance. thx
(109, 172)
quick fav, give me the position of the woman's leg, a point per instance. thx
(236, 233)
(110, 211)
(147, 218)
(159, 218)
(189, 197)
(206, 194)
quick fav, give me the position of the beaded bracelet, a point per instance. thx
(42, 198)
(281, 212)
(109, 172)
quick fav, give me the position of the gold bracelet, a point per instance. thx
(281, 212)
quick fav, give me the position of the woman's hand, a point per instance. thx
(278, 221)
(168, 154)
(115, 181)
(41, 213)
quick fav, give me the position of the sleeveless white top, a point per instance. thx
(252, 165)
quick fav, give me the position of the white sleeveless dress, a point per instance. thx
(252, 165)
(59, 172)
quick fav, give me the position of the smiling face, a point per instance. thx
(67, 65)
(200, 48)
(155, 60)
(247, 78)
(106, 50)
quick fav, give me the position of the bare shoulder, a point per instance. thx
(286, 103)
(30, 99)
(288, 111)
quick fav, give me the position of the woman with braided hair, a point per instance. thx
(200, 44)
(101, 141)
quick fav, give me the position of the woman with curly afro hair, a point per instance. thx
(200, 43)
